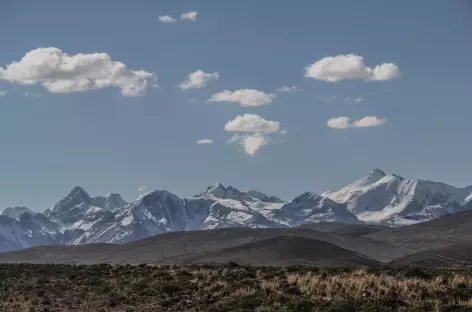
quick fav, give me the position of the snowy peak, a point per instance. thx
(378, 197)
(392, 199)
(78, 198)
(374, 176)
(15, 212)
(218, 190)
(156, 195)
(307, 197)
(311, 208)
(113, 201)
(153, 213)
(109, 202)
(314, 202)
(79, 193)
(359, 187)
(378, 173)
(75, 197)
(263, 197)
(468, 199)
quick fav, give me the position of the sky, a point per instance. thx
(282, 97)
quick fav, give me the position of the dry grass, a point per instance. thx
(145, 288)
(361, 284)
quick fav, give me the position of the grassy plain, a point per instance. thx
(28, 287)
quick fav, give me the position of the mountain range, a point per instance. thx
(378, 199)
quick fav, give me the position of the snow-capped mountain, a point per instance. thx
(15, 212)
(78, 218)
(234, 208)
(312, 208)
(394, 200)
(219, 191)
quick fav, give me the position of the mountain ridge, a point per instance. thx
(380, 198)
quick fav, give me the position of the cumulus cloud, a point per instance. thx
(344, 122)
(288, 89)
(356, 99)
(369, 121)
(35, 95)
(250, 142)
(256, 131)
(205, 141)
(167, 19)
(142, 189)
(341, 122)
(154, 83)
(333, 98)
(189, 16)
(198, 79)
(59, 72)
(245, 97)
(349, 66)
(252, 123)
(3, 93)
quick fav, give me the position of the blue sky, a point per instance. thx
(112, 140)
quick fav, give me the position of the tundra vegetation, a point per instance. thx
(60, 287)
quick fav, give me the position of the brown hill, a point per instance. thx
(281, 251)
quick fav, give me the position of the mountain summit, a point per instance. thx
(15, 212)
(75, 197)
(390, 199)
(218, 190)
(379, 198)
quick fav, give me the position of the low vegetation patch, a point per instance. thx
(27, 287)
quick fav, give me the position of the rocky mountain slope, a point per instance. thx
(390, 199)
(269, 246)
(78, 218)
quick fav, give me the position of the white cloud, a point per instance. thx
(245, 97)
(189, 16)
(36, 95)
(349, 66)
(142, 189)
(344, 122)
(59, 72)
(332, 98)
(167, 19)
(154, 83)
(354, 99)
(257, 130)
(250, 142)
(205, 141)
(369, 121)
(328, 99)
(198, 79)
(339, 122)
(252, 123)
(288, 89)
(385, 71)
(3, 93)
